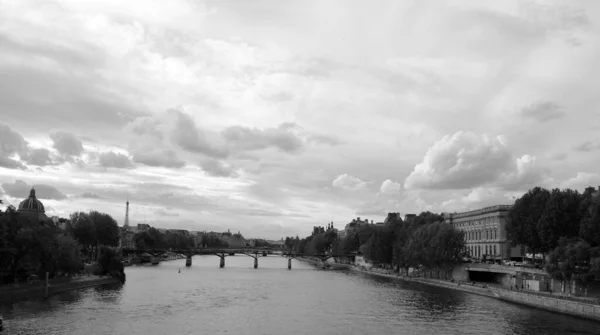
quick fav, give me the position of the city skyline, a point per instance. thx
(279, 116)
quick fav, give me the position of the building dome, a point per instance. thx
(31, 204)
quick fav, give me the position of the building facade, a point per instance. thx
(485, 232)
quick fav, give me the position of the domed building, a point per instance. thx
(32, 208)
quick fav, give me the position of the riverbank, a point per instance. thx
(574, 308)
(11, 293)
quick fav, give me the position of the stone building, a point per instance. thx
(32, 208)
(485, 232)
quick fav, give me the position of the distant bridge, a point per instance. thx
(255, 253)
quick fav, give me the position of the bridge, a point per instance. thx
(254, 253)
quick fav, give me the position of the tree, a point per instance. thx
(524, 217)
(68, 258)
(560, 217)
(107, 230)
(379, 248)
(589, 229)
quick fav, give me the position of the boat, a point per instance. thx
(154, 260)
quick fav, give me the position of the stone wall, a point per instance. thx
(558, 305)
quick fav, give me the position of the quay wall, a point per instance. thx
(575, 308)
(11, 294)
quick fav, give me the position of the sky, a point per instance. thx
(270, 117)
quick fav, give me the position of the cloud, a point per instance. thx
(348, 182)
(11, 143)
(466, 160)
(581, 181)
(390, 187)
(114, 159)
(163, 212)
(187, 136)
(461, 160)
(246, 138)
(478, 197)
(66, 143)
(588, 146)
(90, 195)
(217, 168)
(10, 163)
(39, 157)
(324, 139)
(20, 189)
(158, 158)
(543, 111)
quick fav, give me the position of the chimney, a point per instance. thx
(371, 221)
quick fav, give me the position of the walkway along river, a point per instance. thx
(239, 299)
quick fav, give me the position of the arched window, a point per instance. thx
(495, 250)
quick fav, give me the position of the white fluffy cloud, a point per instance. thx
(390, 187)
(466, 160)
(348, 182)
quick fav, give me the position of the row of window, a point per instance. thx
(479, 250)
(478, 235)
(476, 222)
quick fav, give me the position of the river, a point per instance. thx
(238, 299)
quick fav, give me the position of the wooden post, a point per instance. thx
(289, 263)
(222, 262)
(47, 284)
(255, 262)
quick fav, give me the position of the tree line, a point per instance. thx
(424, 241)
(562, 225)
(29, 246)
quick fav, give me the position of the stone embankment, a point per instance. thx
(582, 309)
(9, 293)
(575, 308)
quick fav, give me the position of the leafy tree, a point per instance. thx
(589, 229)
(106, 228)
(524, 217)
(68, 258)
(560, 217)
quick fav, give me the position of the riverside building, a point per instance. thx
(485, 232)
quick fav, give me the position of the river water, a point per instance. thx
(238, 299)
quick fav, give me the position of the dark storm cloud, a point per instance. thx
(115, 160)
(90, 195)
(588, 146)
(165, 158)
(217, 168)
(20, 189)
(39, 157)
(245, 138)
(188, 137)
(66, 143)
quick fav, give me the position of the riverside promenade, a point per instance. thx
(565, 305)
(578, 307)
(15, 292)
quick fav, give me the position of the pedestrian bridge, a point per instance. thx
(255, 253)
